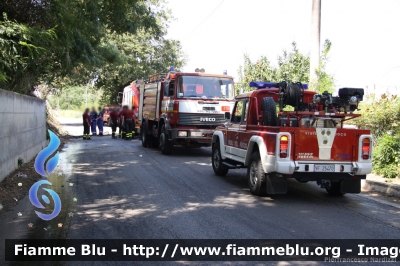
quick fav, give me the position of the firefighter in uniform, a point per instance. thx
(100, 122)
(114, 117)
(118, 110)
(86, 124)
(128, 122)
(93, 119)
(121, 125)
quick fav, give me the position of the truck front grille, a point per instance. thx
(201, 119)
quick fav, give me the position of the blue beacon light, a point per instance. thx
(262, 85)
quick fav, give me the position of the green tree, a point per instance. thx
(133, 56)
(325, 81)
(261, 70)
(80, 27)
(20, 46)
(74, 98)
(292, 66)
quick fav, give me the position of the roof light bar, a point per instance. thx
(262, 85)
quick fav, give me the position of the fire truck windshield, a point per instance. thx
(205, 87)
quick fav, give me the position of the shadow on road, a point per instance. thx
(127, 191)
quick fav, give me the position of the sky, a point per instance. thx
(365, 35)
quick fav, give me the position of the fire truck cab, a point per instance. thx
(183, 108)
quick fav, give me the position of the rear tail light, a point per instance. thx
(366, 148)
(283, 146)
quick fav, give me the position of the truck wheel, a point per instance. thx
(144, 136)
(334, 190)
(256, 176)
(165, 144)
(217, 161)
(269, 112)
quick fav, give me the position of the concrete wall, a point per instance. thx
(22, 129)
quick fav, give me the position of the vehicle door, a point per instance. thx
(242, 136)
(234, 127)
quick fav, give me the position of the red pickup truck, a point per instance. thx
(308, 143)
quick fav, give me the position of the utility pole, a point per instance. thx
(315, 39)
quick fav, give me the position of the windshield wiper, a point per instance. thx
(216, 98)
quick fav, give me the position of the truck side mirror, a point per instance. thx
(118, 99)
(227, 115)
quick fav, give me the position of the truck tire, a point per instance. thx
(165, 144)
(334, 190)
(256, 176)
(144, 135)
(216, 160)
(269, 112)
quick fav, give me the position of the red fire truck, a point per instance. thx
(131, 98)
(308, 143)
(183, 108)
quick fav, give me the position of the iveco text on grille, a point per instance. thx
(207, 119)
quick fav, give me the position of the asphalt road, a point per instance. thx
(124, 191)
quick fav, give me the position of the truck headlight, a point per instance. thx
(182, 133)
(195, 134)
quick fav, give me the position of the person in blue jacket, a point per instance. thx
(100, 121)
(93, 118)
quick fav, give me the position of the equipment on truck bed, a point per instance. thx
(310, 108)
(292, 94)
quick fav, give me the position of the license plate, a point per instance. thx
(324, 168)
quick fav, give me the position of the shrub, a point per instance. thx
(381, 116)
(386, 156)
